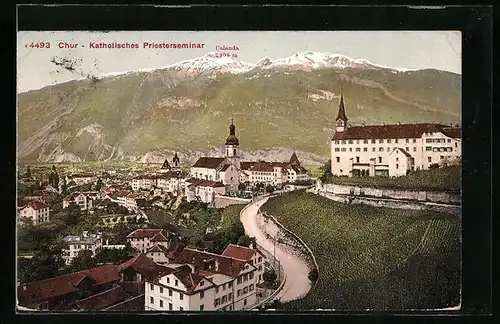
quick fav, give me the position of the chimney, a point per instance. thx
(216, 265)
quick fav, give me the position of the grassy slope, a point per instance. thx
(374, 258)
(269, 111)
(446, 178)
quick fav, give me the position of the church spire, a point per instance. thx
(341, 115)
(232, 139)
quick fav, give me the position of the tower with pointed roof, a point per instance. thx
(232, 146)
(294, 160)
(176, 162)
(341, 120)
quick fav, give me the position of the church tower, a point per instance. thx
(176, 161)
(341, 121)
(232, 146)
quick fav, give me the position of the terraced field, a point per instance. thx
(374, 258)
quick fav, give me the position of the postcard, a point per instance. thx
(167, 171)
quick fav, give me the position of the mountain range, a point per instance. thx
(278, 106)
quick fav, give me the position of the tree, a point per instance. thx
(73, 214)
(326, 171)
(269, 189)
(242, 186)
(269, 276)
(313, 275)
(246, 240)
(28, 172)
(64, 188)
(82, 261)
(98, 184)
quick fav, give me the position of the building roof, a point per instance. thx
(166, 165)
(232, 139)
(90, 239)
(189, 279)
(208, 162)
(240, 252)
(298, 169)
(62, 285)
(80, 175)
(246, 165)
(141, 202)
(341, 114)
(146, 267)
(262, 167)
(225, 167)
(390, 131)
(453, 132)
(35, 204)
(204, 183)
(145, 232)
(159, 237)
(103, 300)
(132, 304)
(226, 265)
(294, 160)
(402, 151)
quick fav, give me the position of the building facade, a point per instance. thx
(143, 239)
(75, 244)
(82, 200)
(35, 210)
(391, 150)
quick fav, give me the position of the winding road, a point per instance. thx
(297, 283)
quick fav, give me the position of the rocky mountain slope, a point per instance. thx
(278, 106)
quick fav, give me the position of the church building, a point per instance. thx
(391, 150)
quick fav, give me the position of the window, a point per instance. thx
(181, 296)
(380, 149)
(260, 267)
(161, 303)
(379, 159)
(250, 288)
(244, 302)
(202, 307)
(397, 159)
(217, 301)
(245, 290)
(429, 159)
(357, 159)
(388, 141)
(239, 292)
(176, 282)
(350, 149)
(414, 140)
(161, 290)
(202, 294)
(358, 149)
(365, 149)
(414, 149)
(170, 306)
(343, 142)
(224, 299)
(181, 308)
(338, 159)
(373, 141)
(230, 284)
(224, 287)
(216, 290)
(365, 141)
(170, 292)
(151, 300)
(407, 140)
(428, 148)
(202, 283)
(381, 141)
(342, 149)
(152, 287)
(251, 275)
(428, 140)
(456, 144)
(357, 141)
(336, 142)
(259, 259)
(230, 296)
(373, 149)
(442, 157)
(350, 141)
(337, 149)
(396, 141)
(407, 149)
(397, 166)
(449, 140)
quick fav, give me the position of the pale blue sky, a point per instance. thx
(401, 49)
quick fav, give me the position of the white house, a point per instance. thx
(400, 162)
(35, 210)
(203, 281)
(366, 150)
(82, 200)
(75, 244)
(204, 190)
(80, 178)
(143, 239)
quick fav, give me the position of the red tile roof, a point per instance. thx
(239, 252)
(208, 162)
(130, 305)
(35, 204)
(245, 165)
(103, 300)
(453, 132)
(262, 167)
(294, 159)
(145, 232)
(228, 266)
(188, 279)
(402, 151)
(159, 237)
(388, 131)
(62, 285)
(204, 183)
(146, 267)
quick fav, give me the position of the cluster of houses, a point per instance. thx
(165, 275)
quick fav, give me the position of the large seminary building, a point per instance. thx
(391, 150)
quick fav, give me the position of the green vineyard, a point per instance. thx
(374, 258)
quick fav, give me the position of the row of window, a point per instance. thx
(224, 299)
(438, 140)
(439, 149)
(373, 141)
(245, 290)
(170, 306)
(229, 285)
(374, 149)
(245, 277)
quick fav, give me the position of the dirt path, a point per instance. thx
(297, 283)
